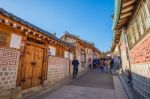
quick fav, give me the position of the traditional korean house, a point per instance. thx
(29, 55)
(84, 50)
(96, 53)
(132, 42)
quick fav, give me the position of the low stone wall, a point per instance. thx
(9, 61)
(58, 69)
(141, 79)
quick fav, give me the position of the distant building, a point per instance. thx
(84, 50)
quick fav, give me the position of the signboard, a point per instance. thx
(52, 51)
(66, 54)
(15, 41)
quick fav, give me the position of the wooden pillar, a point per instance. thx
(148, 4)
(45, 67)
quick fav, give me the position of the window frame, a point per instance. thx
(7, 39)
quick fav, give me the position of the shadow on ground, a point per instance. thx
(95, 78)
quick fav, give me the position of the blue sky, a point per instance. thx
(90, 19)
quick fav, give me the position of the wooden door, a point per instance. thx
(32, 67)
(37, 70)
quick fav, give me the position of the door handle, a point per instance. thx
(33, 63)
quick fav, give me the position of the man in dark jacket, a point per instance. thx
(111, 64)
(75, 64)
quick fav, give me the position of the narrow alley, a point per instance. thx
(92, 85)
(74, 49)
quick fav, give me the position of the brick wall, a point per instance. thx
(9, 60)
(140, 66)
(58, 69)
(141, 52)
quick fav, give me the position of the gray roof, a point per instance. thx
(12, 16)
(77, 37)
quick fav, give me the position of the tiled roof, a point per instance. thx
(15, 18)
(78, 38)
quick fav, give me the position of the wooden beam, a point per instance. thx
(125, 15)
(18, 26)
(127, 9)
(7, 22)
(14, 25)
(39, 35)
(122, 20)
(26, 33)
(34, 33)
(121, 24)
(128, 2)
(22, 28)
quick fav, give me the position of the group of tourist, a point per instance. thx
(105, 64)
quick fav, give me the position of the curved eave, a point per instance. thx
(25, 26)
(117, 12)
(123, 11)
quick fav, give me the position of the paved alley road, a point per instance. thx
(92, 85)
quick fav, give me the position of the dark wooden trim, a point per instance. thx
(45, 65)
(148, 4)
(19, 72)
(142, 37)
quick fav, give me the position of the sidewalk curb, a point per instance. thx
(127, 90)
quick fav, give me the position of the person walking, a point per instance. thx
(90, 63)
(104, 65)
(111, 64)
(107, 65)
(94, 63)
(75, 64)
(101, 65)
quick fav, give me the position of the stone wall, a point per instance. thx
(9, 61)
(58, 69)
(140, 67)
(141, 79)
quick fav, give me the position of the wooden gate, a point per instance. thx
(32, 67)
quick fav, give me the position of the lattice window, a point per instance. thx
(35, 41)
(3, 39)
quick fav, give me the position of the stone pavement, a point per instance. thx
(92, 85)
